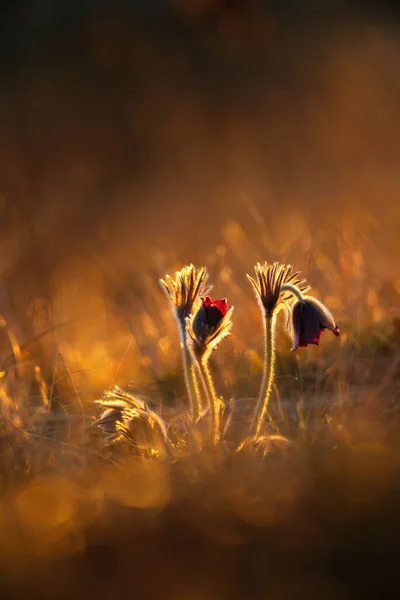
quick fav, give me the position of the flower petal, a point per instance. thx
(222, 305)
(296, 324)
(213, 315)
(305, 325)
(324, 316)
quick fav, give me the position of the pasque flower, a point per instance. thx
(215, 310)
(210, 325)
(183, 293)
(276, 286)
(271, 285)
(128, 417)
(114, 404)
(310, 318)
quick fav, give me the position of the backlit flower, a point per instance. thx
(127, 417)
(183, 291)
(268, 283)
(210, 324)
(214, 310)
(115, 403)
(310, 318)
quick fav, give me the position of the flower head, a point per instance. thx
(114, 405)
(310, 318)
(127, 417)
(210, 324)
(183, 291)
(268, 283)
(214, 310)
(143, 428)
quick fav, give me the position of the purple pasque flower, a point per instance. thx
(310, 318)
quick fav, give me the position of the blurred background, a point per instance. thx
(139, 136)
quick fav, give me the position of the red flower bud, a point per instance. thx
(214, 310)
(210, 324)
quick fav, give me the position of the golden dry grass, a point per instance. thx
(316, 517)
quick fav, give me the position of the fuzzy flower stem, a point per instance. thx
(287, 287)
(189, 374)
(268, 376)
(195, 387)
(167, 446)
(214, 403)
(160, 425)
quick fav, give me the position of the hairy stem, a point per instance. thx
(195, 388)
(268, 375)
(189, 374)
(213, 400)
(287, 287)
(164, 437)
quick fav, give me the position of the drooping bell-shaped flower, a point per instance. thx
(309, 320)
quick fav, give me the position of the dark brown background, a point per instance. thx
(149, 134)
